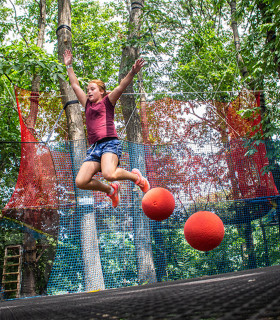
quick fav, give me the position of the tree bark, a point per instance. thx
(142, 235)
(252, 261)
(93, 275)
(143, 113)
(35, 86)
(64, 41)
(244, 73)
(266, 250)
(129, 55)
(160, 258)
(28, 283)
(267, 17)
(240, 61)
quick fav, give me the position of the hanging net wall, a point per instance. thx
(34, 201)
(99, 247)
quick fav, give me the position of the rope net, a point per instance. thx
(100, 247)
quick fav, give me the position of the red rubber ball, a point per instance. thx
(158, 204)
(204, 230)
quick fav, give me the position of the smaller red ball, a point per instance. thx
(158, 204)
(204, 230)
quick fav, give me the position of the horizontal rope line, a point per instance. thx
(162, 92)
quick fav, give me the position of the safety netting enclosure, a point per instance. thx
(81, 243)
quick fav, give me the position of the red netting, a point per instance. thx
(252, 181)
(209, 124)
(226, 167)
(35, 199)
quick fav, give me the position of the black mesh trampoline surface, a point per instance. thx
(251, 294)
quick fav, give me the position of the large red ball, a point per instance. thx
(204, 230)
(158, 204)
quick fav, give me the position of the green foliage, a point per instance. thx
(9, 123)
(185, 262)
(118, 259)
(21, 62)
(13, 234)
(71, 279)
(182, 261)
(9, 169)
(97, 42)
(5, 24)
(204, 61)
(9, 148)
(8, 236)
(201, 52)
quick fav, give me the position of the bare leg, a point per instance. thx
(110, 171)
(85, 180)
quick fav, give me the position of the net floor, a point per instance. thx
(251, 294)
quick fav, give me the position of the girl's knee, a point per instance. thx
(109, 176)
(79, 183)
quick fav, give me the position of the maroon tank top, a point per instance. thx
(100, 120)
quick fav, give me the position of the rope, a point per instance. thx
(60, 114)
(13, 98)
(138, 5)
(162, 92)
(211, 107)
(216, 91)
(201, 97)
(192, 30)
(121, 134)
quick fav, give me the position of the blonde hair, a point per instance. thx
(101, 86)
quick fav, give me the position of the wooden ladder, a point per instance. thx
(11, 278)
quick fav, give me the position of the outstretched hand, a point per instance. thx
(67, 56)
(138, 65)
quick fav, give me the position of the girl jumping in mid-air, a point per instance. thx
(105, 148)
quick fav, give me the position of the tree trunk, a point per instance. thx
(129, 55)
(244, 73)
(240, 62)
(252, 262)
(231, 172)
(143, 114)
(35, 86)
(266, 251)
(143, 247)
(92, 265)
(160, 258)
(28, 283)
(271, 38)
(64, 41)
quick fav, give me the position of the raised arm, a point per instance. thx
(117, 92)
(82, 97)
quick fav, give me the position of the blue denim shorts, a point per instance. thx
(107, 145)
